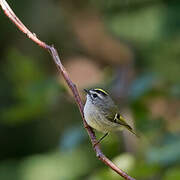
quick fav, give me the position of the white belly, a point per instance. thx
(91, 116)
(93, 119)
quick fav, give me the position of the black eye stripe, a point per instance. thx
(94, 95)
(100, 92)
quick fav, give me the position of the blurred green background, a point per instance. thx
(128, 47)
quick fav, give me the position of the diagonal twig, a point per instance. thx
(53, 52)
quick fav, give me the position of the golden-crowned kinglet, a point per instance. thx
(102, 114)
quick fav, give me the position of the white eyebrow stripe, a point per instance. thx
(100, 96)
(94, 92)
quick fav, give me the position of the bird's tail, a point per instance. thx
(122, 121)
(129, 128)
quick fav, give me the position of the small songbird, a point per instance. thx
(102, 114)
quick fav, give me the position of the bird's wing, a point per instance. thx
(117, 118)
(120, 120)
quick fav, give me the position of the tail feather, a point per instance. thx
(131, 130)
(120, 120)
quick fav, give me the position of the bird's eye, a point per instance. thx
(94, 95)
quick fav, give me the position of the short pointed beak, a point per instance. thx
(87, 91)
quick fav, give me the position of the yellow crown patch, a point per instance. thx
(97, 89)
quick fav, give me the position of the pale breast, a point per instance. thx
(96, 120)
(92, 117)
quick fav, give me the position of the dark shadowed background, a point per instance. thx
(131, 48)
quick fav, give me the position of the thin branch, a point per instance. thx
(53, 52)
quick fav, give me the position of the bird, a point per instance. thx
(102, 114)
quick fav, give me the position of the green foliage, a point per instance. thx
(142, 26)
(33, 92)
(173, 173)
(166, 154)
